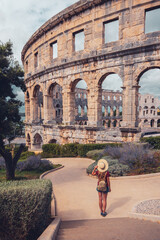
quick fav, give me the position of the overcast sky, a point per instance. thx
(19, 19)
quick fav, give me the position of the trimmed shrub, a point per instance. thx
(91, 167)
(153, 141)
(52, 148)
(69, 150)
(34, 162)
(25, 155)
(25, 208)
(72, 149)
(115, 168)
(118, 169)
(2, 163)
(94, 154)
(84, 148)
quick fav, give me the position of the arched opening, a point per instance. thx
(55, 103)
(120, 111)
(79, 102)
(109, 123)
(152, 122)
(52, 141)
(38, 115)
(27, 106)
(28, 141)
(115, 123)
(114, 111)
(158, 123)
(37, 141)
(103, 111)
(111, 90)
(149, 97)
(79, 110)
(109, 111)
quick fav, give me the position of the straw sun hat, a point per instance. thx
(102, 165)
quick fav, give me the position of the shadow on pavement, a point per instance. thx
(119, 203)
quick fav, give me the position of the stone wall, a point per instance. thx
(130, 56)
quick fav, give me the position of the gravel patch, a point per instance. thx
(151, 207)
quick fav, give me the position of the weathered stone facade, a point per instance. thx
(149, 111)
(130, 56)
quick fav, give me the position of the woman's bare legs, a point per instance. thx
(100, 201)
(104, 200)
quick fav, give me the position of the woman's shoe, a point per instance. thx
(104, 214)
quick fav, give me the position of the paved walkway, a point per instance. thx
(109, 229)
(77, 198)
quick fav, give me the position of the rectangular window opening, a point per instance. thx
(54, 50)
(36, 60)
(111, 31)
(78, 40)
(27, 66)
(152, 20)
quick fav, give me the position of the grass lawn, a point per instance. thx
(25, 175)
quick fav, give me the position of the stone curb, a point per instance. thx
(142, 216)
(153, 218)
(131, 177)
(52, 170)
(136, 176)
(51, 231)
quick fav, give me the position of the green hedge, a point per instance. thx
(84, 148)
(25, 208)
(153, 141)
(69, 150)
(25, 155)
(72, 149)
(52, 148)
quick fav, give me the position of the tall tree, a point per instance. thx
(11, 75)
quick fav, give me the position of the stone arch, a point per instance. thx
(37, 141)
(54, 103)
(142, 70)
(79, 104)
(111, 95)
(147, 94)
(74, 83)
(38, 106)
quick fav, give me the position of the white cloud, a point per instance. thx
(112, 82)
(19, 19)
(150, 82)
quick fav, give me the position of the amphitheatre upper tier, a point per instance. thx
(89, 40)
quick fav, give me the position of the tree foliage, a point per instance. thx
(11, 76)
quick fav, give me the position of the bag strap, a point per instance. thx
(102, 176)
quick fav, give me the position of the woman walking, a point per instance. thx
(103, 185)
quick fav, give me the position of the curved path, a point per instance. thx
(77, 198)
